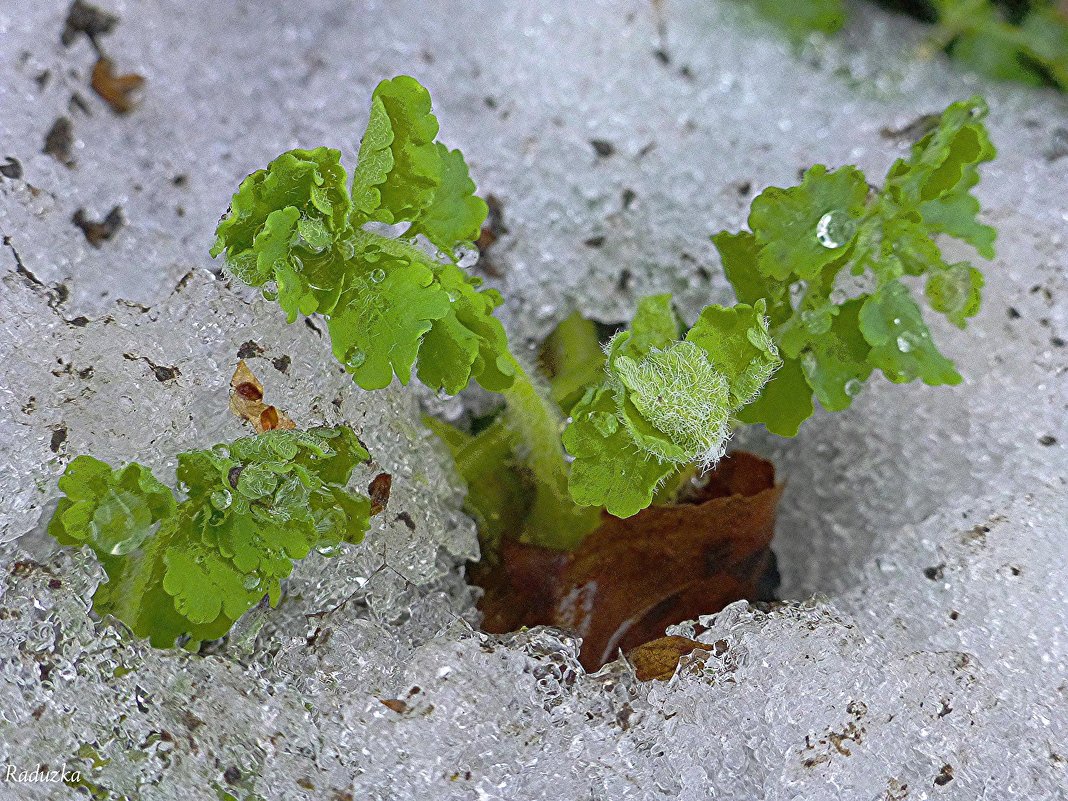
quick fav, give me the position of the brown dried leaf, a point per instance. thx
(246, 401)
(395, 704)
(632, 578)
(121, 92)
(379, 489)
(658, 659)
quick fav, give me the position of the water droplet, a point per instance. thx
(330, 549)
(834, 229)
(454, 295)
(251, 582)
(378, 275)
(270, 291)
(605, 423)
(903, 344)
(356, 358)
(852, 387)
(221, 499)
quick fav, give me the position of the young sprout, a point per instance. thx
(397, 299)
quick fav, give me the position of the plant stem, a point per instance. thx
(554, 520)
(140, 573)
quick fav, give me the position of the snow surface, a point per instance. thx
(931, 522)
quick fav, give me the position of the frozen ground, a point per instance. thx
(932, 521)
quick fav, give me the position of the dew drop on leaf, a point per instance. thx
(852, 387)
(328, 549)
(823, 232)
(834, 229)
(605, 423)
(378, 275)
(356, 358)
(221, 499)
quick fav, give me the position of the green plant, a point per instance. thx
(191, 568)
(1006, 42)
(800, 19)
(314, 241)
(804, 240)
(662, 398)
(1016, 40)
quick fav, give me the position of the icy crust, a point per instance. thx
(933, 688)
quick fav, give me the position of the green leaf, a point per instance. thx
(655, 325)
(374, 163)
(901, 345)
(831, 342)
(944, 161)
(1045, 31)
(573, 359)
(403, 175)
(416, 172)
(301, 191)
(455, 215)
(113, 511)
(956, 215)
(204, 585)
(673, 401)
(609, 469)
(800, 19)
(737, 343)
(467, 341)
(906, 248)
(191, 569)
(784, 404)
(835, 365)
(387, 300)
(665, 402)
(955, 292)
(991, 53)
(381, 318)
(802, 229)
(739, 254)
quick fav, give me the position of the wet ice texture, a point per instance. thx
(957, 695)
(936, 670)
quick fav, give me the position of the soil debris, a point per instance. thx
(59, 140)
(12, 168)
(379, 490)
(98, 232)
(87, 19)
(121, 92)
(658, 659)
